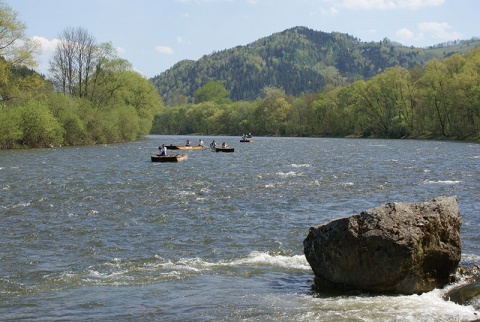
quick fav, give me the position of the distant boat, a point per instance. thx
(169, 157)
(246, 140)
(223, 149)
(184, 147)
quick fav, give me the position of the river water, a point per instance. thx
(102, 233)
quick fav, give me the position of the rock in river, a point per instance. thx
(400, 248)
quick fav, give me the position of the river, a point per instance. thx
(102, 233)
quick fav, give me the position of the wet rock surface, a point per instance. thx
(400, 248)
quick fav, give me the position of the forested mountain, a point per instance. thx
(299, 60)
(440, 100)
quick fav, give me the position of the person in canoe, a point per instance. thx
(188, 143)
(200, 142)
(213, 144)
(163, 150)
(224, 145)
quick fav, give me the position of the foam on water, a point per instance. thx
(425, 307)
(447, 182)
(262, 258)
(288, 174)
(139, 271)
(305, 165)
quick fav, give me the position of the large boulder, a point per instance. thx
(400, 248)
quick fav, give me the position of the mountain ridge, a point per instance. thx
(299, 60)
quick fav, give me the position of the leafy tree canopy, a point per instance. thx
(92, 97)
(14, 46)
(213, 91)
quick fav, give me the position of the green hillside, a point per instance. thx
(298, 60)
(450, 48)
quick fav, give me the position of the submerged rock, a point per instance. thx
(401, 248)
(468, 294)
(468, 290)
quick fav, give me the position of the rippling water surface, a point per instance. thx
(100, 232)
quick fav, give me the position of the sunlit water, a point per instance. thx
(102, 233)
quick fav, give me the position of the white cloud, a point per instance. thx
(201, 1)
(165, 50)
(180, 40)
(334, 6)
(384, 4)
(47, 46)
(331, 11)
(120, 50)
(407, 35)
(436, 30)
(439, 30)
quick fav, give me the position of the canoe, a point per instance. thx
(246, 140)
(169, 158)
(223, 150)
(184, 147)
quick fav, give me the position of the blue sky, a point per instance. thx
(153, 35)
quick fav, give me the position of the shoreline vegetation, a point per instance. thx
(439, 101)
(91, 96)
(94, 97)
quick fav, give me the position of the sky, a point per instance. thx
(154, 35)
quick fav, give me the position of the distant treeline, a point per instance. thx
(440, 100)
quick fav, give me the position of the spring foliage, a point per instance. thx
(441, 100)
(92, 96)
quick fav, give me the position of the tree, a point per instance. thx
(352, 119)
(435, 85)
(39, 127)
(213, 91)
(107, 80)
(10, 132)
(14, 46)
(384, 101)
(74, 61)
(17, 82)
(240, 117)
(272, 111)
(67, 110)
(321, 122)
(140, 94)
(469, 87)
